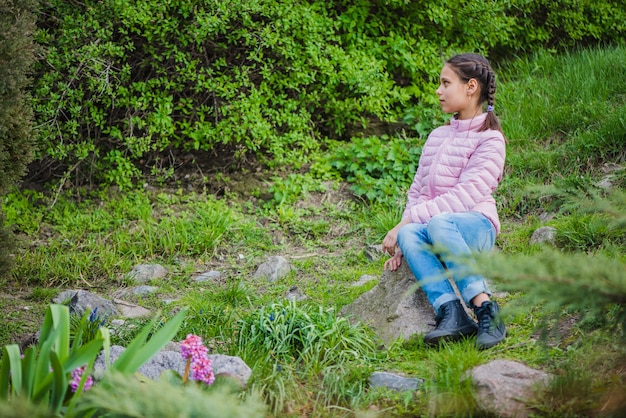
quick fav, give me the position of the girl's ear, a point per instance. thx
(471, 86)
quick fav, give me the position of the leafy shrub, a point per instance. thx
(379, 168)
(123, 82)
(17, 23)
(285, 343)
(41, 374)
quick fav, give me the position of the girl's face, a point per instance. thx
(455, 96)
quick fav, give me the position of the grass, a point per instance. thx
(316, 364)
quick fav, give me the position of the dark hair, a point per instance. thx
(468, 66)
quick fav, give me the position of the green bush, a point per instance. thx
(17, 23)
(124, 83)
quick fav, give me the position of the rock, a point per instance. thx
(544, 235)
(503, 387)
(394, 308)
(81, 300)
(366, 278)
(276, 267)
(294, 294)
(130, 310)
(208, 276)
(231, 366)
(171, 360)
(144, 290)
(373, 252)
(394, 382)
(143, 273)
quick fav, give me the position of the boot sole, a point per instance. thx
(456, 336)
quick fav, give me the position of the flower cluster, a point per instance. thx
(77, 374)
(192, 350)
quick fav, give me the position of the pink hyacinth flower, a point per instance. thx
(77, 374)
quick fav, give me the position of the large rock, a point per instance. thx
(504, 387)
(394, 308)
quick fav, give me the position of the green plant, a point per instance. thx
(42, 374)
(285, 343)
(379, 168)
(121, 396)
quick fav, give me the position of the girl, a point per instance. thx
(450, 211)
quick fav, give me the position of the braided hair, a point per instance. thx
(468, 66)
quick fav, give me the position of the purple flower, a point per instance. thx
(203, 371)
(77, 374)
(192, 350)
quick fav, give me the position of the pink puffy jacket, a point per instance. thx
(458, 171)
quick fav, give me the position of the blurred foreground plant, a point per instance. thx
(54, 373)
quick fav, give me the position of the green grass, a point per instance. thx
(316, 364)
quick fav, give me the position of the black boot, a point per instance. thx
(452, 323)
(491, 328)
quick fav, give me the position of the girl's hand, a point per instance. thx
(394, 262)
(391, 239)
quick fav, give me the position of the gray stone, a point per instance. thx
(373, 252)
(503, 387)
(294, 294)
(276, 267)
(364, 279)
(130, 310)
(544, 235)
(172, 360)
(81, 300)
(231, 366)
(143, 273)
(208, 276)
(394, 382)
(144, 290)
(394, 308)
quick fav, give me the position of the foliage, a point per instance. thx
(265, 80)
(121, 396)
(116, 228)
(41, 375)
(17, 23)
(285, 343)
(379, 168)
(591, 283)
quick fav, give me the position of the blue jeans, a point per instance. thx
(443, 247)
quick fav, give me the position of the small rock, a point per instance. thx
(130, 310)
(144, 290)
(394, 382)
(211, 275)
(544, 235)
(294, 294)
(373, 252)
(276, 267)
(145, 272)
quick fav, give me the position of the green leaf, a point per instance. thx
(137, 353)
(59, 385)
(84, 355)
(11, 370)
(28, 371)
